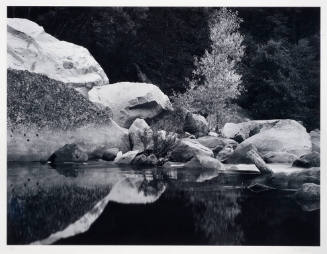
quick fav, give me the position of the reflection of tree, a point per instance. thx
(152, 185)
(215, 212)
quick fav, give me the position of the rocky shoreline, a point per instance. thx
(55, 120)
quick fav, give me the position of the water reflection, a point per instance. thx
(219, 209)
(101, 203)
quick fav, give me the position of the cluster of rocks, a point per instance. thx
(58, 85)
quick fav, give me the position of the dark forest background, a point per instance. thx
(280, 69)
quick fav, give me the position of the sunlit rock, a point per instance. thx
(30, 48)
(275, 136)
(129, 101)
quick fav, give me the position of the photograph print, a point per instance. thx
(163, 126)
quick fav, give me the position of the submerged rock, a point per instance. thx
(186, 149)
(141, 135)
(125, 158)
(129, 101)
(308, 191)
(308, 160)
(68, 153)
(30, 48)
(196, 124)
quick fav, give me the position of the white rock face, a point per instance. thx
(129, 101)
(30, 48)
(284, 136)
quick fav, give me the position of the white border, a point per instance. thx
(159, 249)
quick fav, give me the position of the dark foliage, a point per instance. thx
(280, 69)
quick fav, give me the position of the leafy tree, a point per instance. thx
(215, 81)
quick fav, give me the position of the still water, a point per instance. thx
(100, 203)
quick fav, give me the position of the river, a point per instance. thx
(101, 203)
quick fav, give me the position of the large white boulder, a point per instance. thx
(30, 48)
(283, 136)
(129, 101)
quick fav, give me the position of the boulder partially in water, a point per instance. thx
(68, 153)
(308, 160)
(129, 101)
(30, 48)
(186, 149)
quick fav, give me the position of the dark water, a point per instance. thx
(151, 206)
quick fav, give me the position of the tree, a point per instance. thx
(215, 82)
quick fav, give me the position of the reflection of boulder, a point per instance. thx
(136, 190)
(308, 191)
(290, 181)
(67, 170)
